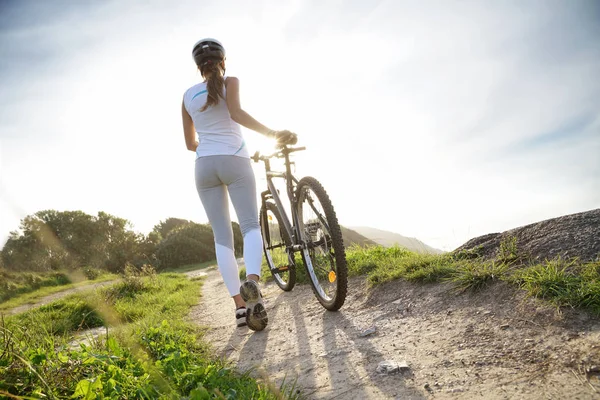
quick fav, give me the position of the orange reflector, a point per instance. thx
(332, 276)
(270, 217)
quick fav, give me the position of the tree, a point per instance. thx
(238, 239)
(71, 238)
(163, 228)
(51, 239)
(188, 244)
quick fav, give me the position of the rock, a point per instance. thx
(369, 331)
(427, 387)
(594, 369)
(455, 390)
(334, 353)
(504, 326)
(307, 370)
(87, 337)
(569, 236)
(529, 340)
(571, 336)
(391, 367)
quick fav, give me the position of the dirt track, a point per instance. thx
(55, 296)
(496, 345)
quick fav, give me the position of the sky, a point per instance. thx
(440, 120)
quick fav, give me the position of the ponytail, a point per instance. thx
(214, 83)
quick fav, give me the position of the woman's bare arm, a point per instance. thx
(188, 129)
(237, 114)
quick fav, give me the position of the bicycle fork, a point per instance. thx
(290, 248)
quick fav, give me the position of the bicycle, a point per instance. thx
(313, 231)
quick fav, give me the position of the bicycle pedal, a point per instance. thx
(283, 268)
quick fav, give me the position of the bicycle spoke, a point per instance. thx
(320, 216)
(317, 236)
(275, 245)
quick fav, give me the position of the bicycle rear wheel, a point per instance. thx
(275, 241)
(324, 256)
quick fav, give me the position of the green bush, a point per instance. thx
(91, 273)
(135, 281)
(192, 243)
(189, 244)
(13, 284)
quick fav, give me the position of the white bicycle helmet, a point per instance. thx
(208, 49)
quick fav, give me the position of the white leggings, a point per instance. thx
(215, 176)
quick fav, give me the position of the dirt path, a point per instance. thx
(496, 345)
(59, 295)
(56, 296)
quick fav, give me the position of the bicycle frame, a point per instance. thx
(291, 226)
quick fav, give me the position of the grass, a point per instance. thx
(477, 275)
(16, 283)
(383, 264)
(380, 264)
(151, 352)
(69, 314)
(508, 251)
(54, 283)
(566, 283)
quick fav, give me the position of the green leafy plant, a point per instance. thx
(508, 252)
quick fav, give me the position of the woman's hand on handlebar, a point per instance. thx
(286, 137)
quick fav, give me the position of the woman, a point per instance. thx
(212, 110)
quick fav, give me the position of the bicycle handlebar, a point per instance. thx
(279, 154)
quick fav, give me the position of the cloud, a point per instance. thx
(454, 109)
(440, 120)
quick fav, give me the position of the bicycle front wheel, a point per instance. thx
(324, 255)
(275, 242)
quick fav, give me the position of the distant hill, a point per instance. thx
(352, 237)
(388, 239)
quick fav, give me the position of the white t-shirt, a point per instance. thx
(217, 133)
